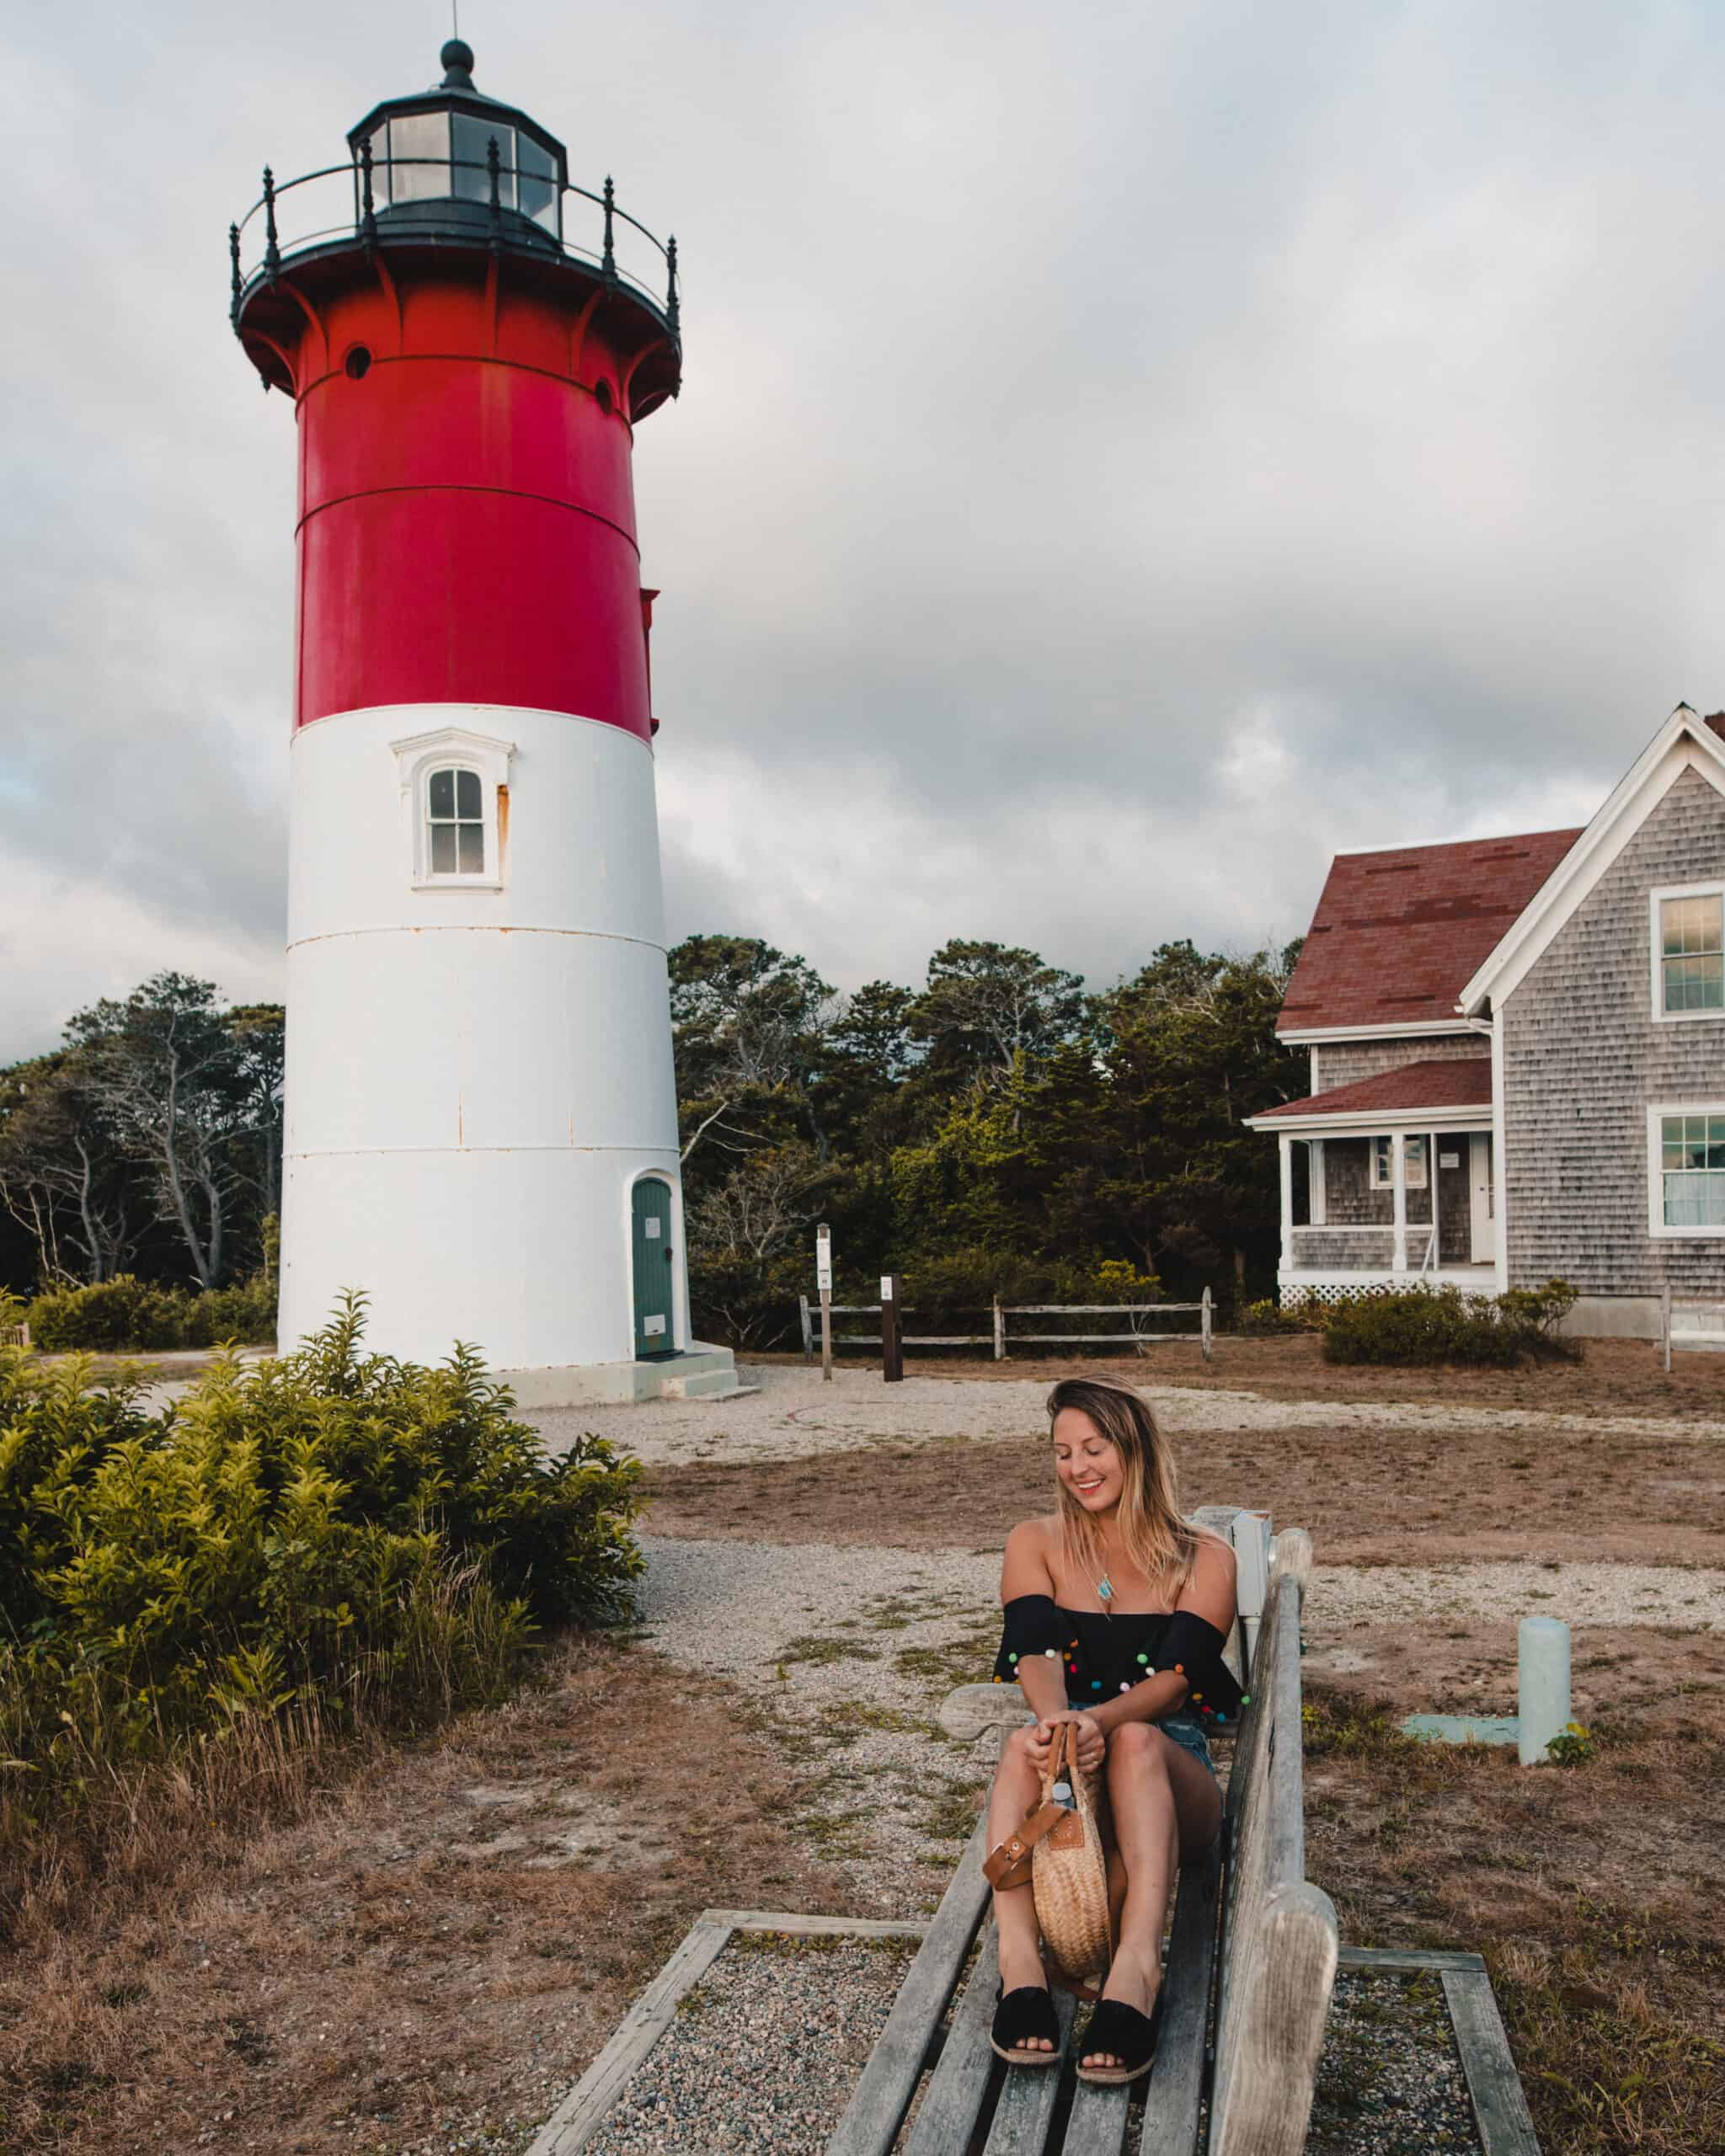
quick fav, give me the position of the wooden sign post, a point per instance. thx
(823, 1280)
(892, 1336)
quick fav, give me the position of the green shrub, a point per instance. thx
(110, 1317)
(334, 1529)
(1427, 1325)
(1269, 1318)
(122, 1315)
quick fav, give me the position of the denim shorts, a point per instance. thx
(1187, 1732)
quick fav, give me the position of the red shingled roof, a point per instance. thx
(1716, 719)
(1466, 1084)
(1397, 936)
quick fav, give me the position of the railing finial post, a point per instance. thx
(272, 251)
(233, 259)
(608, 263)
(368, 208)
(673, 306)
(493, 166)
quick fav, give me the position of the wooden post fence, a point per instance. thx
(996, 1338)
(892, 1343)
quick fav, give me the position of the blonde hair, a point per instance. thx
(1158, 1541)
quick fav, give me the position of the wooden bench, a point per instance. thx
(1251, 1957)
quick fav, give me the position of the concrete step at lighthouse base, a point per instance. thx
(700, 1372)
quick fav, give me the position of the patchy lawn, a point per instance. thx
(1370, 1494)
(1592, 1890)
(1612, 1377)
(436, 1951)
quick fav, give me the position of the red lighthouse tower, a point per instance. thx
(481, 1115)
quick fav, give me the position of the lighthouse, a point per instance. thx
(481, 1127)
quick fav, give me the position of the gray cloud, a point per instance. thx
(1125, 457)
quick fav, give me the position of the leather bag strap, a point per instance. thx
(1007, 1864)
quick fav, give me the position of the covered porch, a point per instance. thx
(1388, 1182)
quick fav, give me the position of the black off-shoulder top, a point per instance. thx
(1101, 1656)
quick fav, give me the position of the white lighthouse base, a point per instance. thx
(701, 1372)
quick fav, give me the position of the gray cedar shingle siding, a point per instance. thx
(1584, 1059)
(1342, 1063)
(1454, 1202)
(1321, 1249)
(1350, 1201)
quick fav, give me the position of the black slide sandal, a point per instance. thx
(1124, 2033)
(1018, 2016)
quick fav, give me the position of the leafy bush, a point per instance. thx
(122, 1315)
(963, 1282)
(1268, 1319)
(1426, 1324)
(336, 1529)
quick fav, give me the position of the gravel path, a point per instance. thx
(1390, 2081)
(795, 1417)
(762, 2054)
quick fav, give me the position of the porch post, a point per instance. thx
(1285, 1145)
(1318, 1212)
(1431, 1183)
(1398, 1199)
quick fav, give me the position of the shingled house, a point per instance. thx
(1518, 1058)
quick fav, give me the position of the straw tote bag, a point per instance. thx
(1059, 1849)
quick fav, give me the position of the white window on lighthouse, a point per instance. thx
(455, 790)
(454, 822)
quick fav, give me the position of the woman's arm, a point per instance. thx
(1025, 1570)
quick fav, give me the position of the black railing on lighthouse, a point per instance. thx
(652, 281)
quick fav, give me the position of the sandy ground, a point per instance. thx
(795, 1416)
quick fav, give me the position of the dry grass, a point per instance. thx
(1592, 1890)
(382, 1948)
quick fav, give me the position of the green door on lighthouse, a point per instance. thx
(655, 1327)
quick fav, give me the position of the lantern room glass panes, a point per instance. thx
(473, 139)
(538, 181)
(1693, 1164)
(414, 136)
(1692, 953)
(455, 823)
(428, 157)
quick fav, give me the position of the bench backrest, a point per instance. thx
(1280, 1943)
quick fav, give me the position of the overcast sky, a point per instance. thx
(1128, 453)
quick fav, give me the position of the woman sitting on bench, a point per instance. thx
(1117, 1611)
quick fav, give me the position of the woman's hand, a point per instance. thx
(1092, 1744)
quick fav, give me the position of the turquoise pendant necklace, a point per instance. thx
(1105, 1595)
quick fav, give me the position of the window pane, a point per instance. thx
(473, 139)
(1695, 1201)
(472, 855)
(443, 848)
(442, 793)
(419, 135)
(538, 181)
(467, 793)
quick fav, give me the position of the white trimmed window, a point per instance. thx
(1688, 952)
(455, 821)
(454, 787)
(1383, 1163)
(1686, 1169)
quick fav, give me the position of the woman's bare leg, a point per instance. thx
(1018, 1789)
(1165, 1804)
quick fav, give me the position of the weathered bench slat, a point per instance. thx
(1176, 2079)
(888, 2082)
(1505, 2123)
(1097, 2126)
(956, 2087)
(1026, 2102)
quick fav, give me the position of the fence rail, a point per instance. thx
(1138, 1336)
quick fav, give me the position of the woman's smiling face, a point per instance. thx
(1086, 1461)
